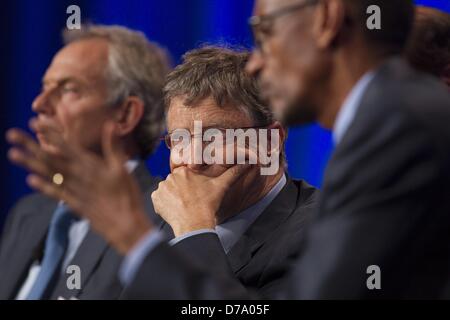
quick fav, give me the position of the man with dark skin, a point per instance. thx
(384, 203)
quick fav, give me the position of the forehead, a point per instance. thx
(263, 7)
(181, 116)
(83, 59)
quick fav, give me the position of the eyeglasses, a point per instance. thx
(173, 138)
(262, 25)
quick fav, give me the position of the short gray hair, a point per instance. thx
(219, 72)
(136, 67)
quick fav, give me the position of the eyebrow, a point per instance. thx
(225, 125)
(212, 126)
(61, 82)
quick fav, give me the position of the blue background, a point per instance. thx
(30, 36)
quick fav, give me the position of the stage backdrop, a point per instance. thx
(30, 36)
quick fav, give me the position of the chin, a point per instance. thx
(298, 114)
(214, 172)
(44, 145)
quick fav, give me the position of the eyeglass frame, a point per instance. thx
(166, 137)
(255, 22)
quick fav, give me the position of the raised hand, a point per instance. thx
(189, 201)
(98, 188)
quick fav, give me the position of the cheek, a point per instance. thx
(296, 58)
(65, 118)
(214, 170)
(81, 123)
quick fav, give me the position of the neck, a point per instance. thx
(130, 148)
(343, 76)
(127, 146)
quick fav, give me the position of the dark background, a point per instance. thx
(31, 34)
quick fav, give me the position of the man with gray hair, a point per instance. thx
(263, 218)
(103, 74)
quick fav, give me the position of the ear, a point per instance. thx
(128, 115)
(329, 22)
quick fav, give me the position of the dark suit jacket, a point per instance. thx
(262, 255)
(24, 237)
(385, 202)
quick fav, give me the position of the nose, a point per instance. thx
(191, 157)
(255, 63)
(197, 167)
(189, 164)
(43, 103)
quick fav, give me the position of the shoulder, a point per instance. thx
(409, 97)
(31, 205)
(28, 210)
(403, 112)
(308, 194)
(305, 205)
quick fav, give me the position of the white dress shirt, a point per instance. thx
(350, 106)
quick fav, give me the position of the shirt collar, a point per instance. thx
(131, 165)
(350, 106)
(232, 229)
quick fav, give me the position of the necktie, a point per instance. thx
(55, 247)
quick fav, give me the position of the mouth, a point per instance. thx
(40, 137)
(272, 98)
(42, 140)
(266, 91)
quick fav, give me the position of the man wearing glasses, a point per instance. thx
(262, 218)
(384, 204)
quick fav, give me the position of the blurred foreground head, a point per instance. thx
(309, 53)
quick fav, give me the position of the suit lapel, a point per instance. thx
(23, 253)
(143, 177)
(88, 254)
(93, 246)
(337, 171)
(257, 234)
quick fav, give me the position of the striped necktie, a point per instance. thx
(55, 247)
